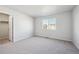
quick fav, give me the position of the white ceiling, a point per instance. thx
(41, 10)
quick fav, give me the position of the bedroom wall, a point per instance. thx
(22, 24)
(63, 27)
(76, 26)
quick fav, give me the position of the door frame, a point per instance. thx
(11, 28)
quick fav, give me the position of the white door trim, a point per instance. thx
(11, 28)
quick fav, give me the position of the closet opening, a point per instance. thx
(5, 28)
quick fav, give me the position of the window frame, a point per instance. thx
(48, 24)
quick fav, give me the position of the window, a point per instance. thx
(49, 23)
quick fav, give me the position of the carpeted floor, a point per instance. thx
(39, 45)
(4, 41)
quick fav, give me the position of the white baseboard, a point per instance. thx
(53, 38)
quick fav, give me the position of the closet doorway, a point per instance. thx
(4, 28)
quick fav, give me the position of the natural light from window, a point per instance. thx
(49, 23)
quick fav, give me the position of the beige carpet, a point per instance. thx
(4, 41)
(39, 45)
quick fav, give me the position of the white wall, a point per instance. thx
(63, 30)
(22, 24)
(4, 27)
(76, 26)
(23, 27)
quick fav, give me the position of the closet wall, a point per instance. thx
(4, 26)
